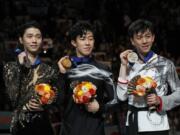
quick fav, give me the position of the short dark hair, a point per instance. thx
(79, 29)
(21, 29)
(140, 25)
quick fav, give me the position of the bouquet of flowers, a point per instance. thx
(84, 92)
(141, 86)
(45, 93)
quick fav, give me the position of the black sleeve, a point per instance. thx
(4, 100)
(110, 98)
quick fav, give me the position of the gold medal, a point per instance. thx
(66, 62)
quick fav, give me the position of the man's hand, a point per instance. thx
(34, 105)
(21, 57)
(153, 99)
(123, 57)
(92, 106)
(24, 60)
(60, 65)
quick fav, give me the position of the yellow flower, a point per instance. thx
(142, 86)
(79, 93)
(88, 85)
(47, 88)
(83, 92)
(45, 92)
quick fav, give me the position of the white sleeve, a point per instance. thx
(122, 90)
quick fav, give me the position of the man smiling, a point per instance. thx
(141, 120)
(21, 77)
(85, 119)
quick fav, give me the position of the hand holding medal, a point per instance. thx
(132, 57)
(66, 62)
(128, 56)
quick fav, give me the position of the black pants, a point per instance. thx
(155, 133)
(39, 126)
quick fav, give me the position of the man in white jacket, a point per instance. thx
(140, 120)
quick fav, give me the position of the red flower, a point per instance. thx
(84, 92)
(92, 91)
(45, 92)
(85, 99)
